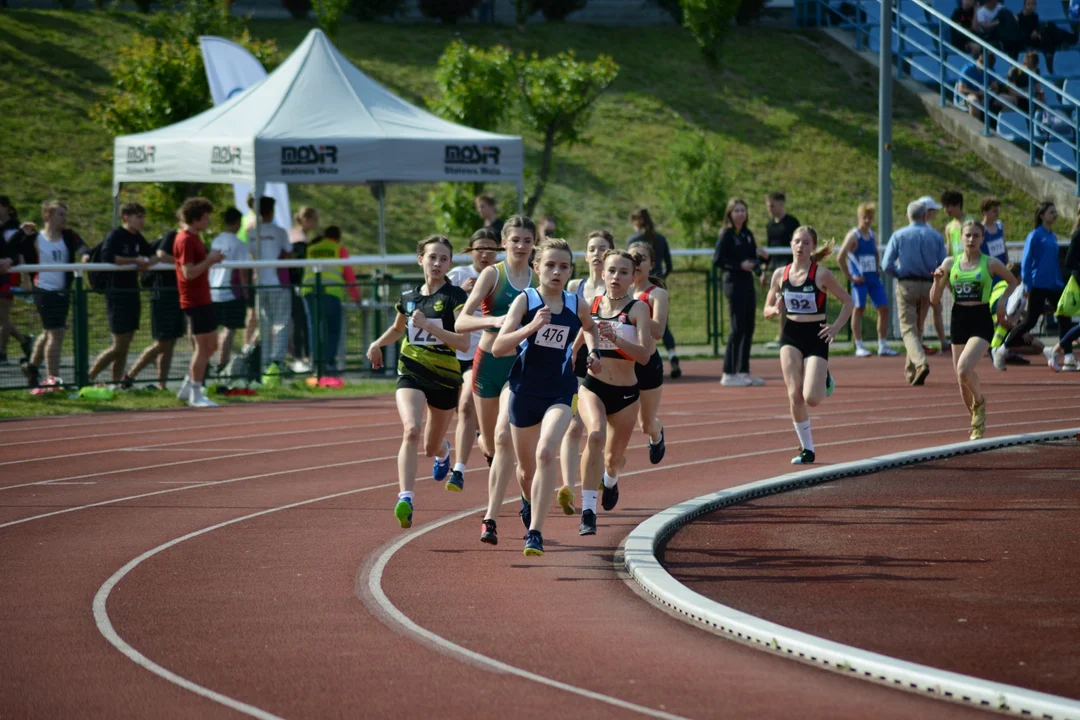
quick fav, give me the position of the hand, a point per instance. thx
(771, 311)
(939, 273)
(419, 320)
(468, 285)
(858, 280)
(1001, 319)
(542, 318)
(497, 321)
(828, 332)
(374, 356)
(84, 258)
(142, 263)
(5, 264)
(607, 331)
(763, 253)
(593, 363)
(29, 228)
(747, 265)
(215, 257)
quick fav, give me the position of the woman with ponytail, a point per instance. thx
(805, 337)
(646, 232)
(650, 290)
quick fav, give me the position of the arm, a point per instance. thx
(722, 256)
(827, 282)
(457, 340)
(1027, 266)
(666, 265)
(849, 245)
(350, 278)
(391, 336)
(590, 336)
(511, 333)
(642, 350)
(888, 263)
(484, 285)
(772, 299)
(1072, 257)
(192, 271)
(941, 281)
(659, 313)
(996, 267)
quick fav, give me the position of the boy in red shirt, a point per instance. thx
(193, 284)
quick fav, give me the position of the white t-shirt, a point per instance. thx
(272, 242)
(985, 15)
(221, 278)
(458, 276)
(51, 252)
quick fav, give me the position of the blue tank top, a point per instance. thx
(543, 367)
(994, 243)
(864, 260)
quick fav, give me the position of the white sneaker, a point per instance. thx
(1070, 363)
(198, 400)
(299, 366)
(999, 354)
(752, 380)
(885, 351)
(1051, 359)
(734, 381)
(862, 352)
(185, 390)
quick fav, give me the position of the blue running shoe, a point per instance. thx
(830, 385)
(456, 483)
(526, 512)
(403, 512)
(441, 468)
(534, 544)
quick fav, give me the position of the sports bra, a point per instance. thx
(805, 299)
(623, 328)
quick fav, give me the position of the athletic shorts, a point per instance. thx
(230, 313)
(466, 365)
(872, 288)
(202, 319)
(804, 337)
(651, 375)
(970, 321)
(166, 318)
(614, 397)
(123, 310)
(581, 362)
(491, 373)
(437, 396)
(528, 410)
(52, 307)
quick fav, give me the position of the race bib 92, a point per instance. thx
(801, 302)
(418, 336)
(553, 336)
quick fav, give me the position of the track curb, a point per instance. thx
(664, 590)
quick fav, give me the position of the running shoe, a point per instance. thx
(588, 523)
(127, 383)
(920, 375)
(752, 379)
(885, 351)
(490, 459)
(403, 512)
(198, 400)
(805, 457)
(534, 544)
(610, 497)
(729, 380)
(862, 352)
(1052, 359)
(185, 391)
(1070, 363)
(830, 384)
(1000, 353)
(978, 420)
(27, 346)
(441, 468)
(488, 533)
(456, 483)
(676, 371)
(33, 375)
(566, 500)
(526, 512)
(656, 452)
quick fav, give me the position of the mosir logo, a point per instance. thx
(140, 159)
(225, 160)
(483, 158)
(309, 160)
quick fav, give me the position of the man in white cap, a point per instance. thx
(932, 206)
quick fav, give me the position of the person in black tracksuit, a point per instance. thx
(738, 255)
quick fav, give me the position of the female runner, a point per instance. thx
(609, 396)
(596, 244)
(650, 377)
(805, 338)
(970, 275)
(494, 292)
(543, 388)
(483, 246)
(428, 370)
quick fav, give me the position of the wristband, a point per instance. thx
(594, 353)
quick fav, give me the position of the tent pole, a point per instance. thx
(116, 205)
(382, 222)
(256, 252)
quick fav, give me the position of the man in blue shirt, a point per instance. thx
(971, 86)
(912, 255)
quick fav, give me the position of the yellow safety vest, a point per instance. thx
(333, 279)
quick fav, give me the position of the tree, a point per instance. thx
(694, 188)
(328, 14)
(708, 21)
(448, 12)
(556, 95)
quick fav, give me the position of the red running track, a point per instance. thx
(325, 608)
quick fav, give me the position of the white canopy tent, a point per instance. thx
(318, 119)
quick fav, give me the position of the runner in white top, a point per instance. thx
(221, 280)
(484, 248)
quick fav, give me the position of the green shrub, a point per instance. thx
(694, 188)
(448, 12)
(328, 14)
(708, 21)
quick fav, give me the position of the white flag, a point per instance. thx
(230, 70)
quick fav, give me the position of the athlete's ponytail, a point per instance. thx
(640, 246)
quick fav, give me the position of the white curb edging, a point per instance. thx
(642, 565)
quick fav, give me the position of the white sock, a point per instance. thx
(588, 500)
(407, 495)
(882, 344)
(442, 458)
(460, 467)
(859, 345)
(803, 431)
(609, 482)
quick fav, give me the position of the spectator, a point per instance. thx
(964, 15)
(9, 255)
(485, 206)
(971, 85)
(912, 255)
(228, 286)
(336, 279)
(779, 230)
(166, 318)
(1017, 89)
(1046, 37)
(193, 284)
(123, 304)
(305, 223)
(251, 321)
(1041, 275)
(953, 203)
(1014, 313)
(275, 306)
(939, 319)
(546, 227)
(55, 244)
(859, 260)
(994, 242)
(986, 18)
(738, 255)
(645, 231)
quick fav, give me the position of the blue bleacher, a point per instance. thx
(1013, 126)
(1059, 157)
(1067, 64)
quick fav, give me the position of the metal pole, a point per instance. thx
(116, 205)
(885, 82)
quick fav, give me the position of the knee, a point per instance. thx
(795, 398)
(965, 374)
(466, 409)
(503, 439)
(596, 440)
(545, 455)
(411, 434)
(813, 400)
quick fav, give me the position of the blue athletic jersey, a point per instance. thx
(994, 243)
(864, 260)
(544, 367)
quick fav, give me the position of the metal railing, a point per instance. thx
(921, 46)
